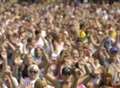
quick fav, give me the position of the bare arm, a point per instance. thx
(80, 80)
(4, 56)
(93, 41)
(11, 45)
(51, 78)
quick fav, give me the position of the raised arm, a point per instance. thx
(4, 56)
(51, 78)
(11, 45)
(79, 80)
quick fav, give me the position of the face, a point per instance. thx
(38, 52)
(28, 60)
(75, 54)
(33, 74)
(66, 77)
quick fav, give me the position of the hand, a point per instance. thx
(8, 73)
(77, 73)
(7, 79)
(4, 55)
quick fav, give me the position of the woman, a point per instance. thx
(9, 80)
(33, 75)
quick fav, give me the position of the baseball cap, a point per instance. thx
(114, 50)
(82, 34)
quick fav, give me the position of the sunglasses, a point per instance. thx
(32, 71)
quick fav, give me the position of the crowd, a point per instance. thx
(49, 1)
(62, 45)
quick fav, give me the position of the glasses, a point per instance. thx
(32, 71)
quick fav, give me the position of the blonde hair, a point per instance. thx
(40, 83)
(34, 67)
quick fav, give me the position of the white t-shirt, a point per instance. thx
(15, 82)
(27, 82)
(56, 53)
(43, 43)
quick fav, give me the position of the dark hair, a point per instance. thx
(37, 32)
(77, 65)
(66, 71)
(29, 40)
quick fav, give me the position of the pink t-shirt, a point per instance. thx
(81, 86)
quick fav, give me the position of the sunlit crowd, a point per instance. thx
(60, 45)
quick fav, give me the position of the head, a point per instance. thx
(82, 34)
(43, 34)
(38, 52)
(66, 72)
(33, 71)
(114, 51)
(28, 60)
(31, 42)
(40, 84)
(75, 53)
(7, 73)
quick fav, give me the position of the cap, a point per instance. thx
(114, 50)
(82, 34)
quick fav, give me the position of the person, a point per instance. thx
(9, 80)
(65, 82)
(33, 75)
(114, 67)
(72, 45)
